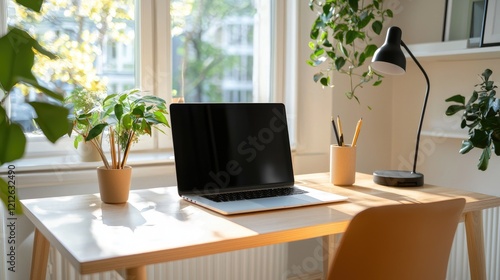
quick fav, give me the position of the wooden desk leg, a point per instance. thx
(475, 245)
(40, 256)
(330, 243)
(137, 273)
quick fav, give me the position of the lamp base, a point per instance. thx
(398, 178)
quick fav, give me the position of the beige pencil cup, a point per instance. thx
(342, 165)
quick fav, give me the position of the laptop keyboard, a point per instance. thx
(253, 194)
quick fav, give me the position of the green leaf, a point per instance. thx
(496, 145)
(350, 36)
(343, 50)
(12, 141)
(78, 139)
(453, 109)
(109, 99)
(96, 131)
(312, 45)
(339, 63)
(315, 29)
(319, 51)
(127, 121)
(6, 195)
(34, 5)
(52, 119)
(466, 147)
(18, 57)
(479, 139)
(486, 74)
(484, 159)
(353, 4)
(323, 36)
(327, 44)
(118, 111)
(324, 81)
(457, 98)
(331, 55)
(318, 76)
(362, 59)
(377, 27)
(473, 98)
(318, 61)
(160, 117)
(365, 20)
(370, 50)
(139, 111)
(378, 82)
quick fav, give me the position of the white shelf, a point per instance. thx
(445, 134)
(452, 51)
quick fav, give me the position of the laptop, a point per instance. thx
(235, 158)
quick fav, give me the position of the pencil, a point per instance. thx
(341, 135)
(356, 133)
(336, 132)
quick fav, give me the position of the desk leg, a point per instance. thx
(330, 244)
(137, 273)
(40, 256)
(475, 245)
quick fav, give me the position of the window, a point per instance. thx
(209, 51)
(213, 49)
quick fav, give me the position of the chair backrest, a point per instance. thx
(398, 242)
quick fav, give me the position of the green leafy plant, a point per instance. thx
(341, 39)
(123, 117)
(17, 56)
(481, 117)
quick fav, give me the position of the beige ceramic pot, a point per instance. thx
(114, 184)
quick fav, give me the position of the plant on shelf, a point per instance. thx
(341, 38)
(123, 117)
(17, 58)
(482, 118)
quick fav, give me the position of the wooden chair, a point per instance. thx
(398, 242)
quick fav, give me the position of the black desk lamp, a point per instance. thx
(389, 59)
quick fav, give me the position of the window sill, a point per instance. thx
(67, 175)
(71, 162)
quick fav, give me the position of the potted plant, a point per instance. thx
(481, 117)
(86, 104)
(341, 39)
(118, 120)
(17, 58)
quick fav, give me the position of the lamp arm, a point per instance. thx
(424, 106)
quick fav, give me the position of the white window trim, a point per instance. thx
(285, 60)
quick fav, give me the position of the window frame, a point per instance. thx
(154, 70)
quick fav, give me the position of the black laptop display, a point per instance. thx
(231, 147)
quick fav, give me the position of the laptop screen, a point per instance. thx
(223, 147)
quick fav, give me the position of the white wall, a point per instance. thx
(387, 139)
(439, 159)
(316, 106)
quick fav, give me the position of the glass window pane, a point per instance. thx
(213, 49)
(94, 41)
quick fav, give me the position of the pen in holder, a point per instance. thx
(342, 165)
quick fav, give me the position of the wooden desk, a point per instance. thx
(156, 226)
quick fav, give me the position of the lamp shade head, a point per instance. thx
(389, 58)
